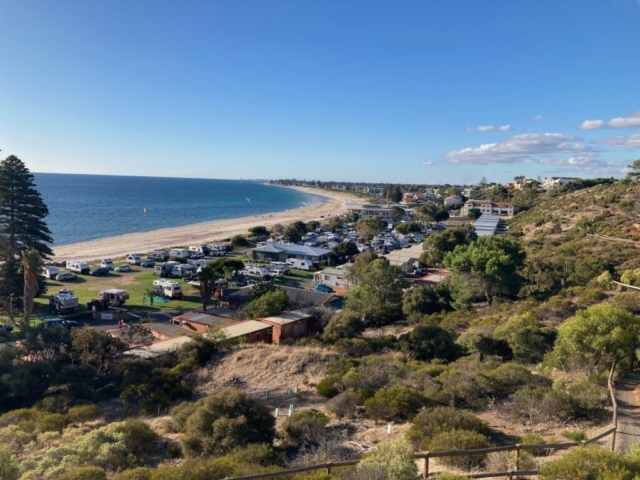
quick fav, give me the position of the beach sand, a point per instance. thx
(201, 233)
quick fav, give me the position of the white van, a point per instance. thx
(134, 259)
(300, 264)
(107, 263)
(179, 252)
(217, 250)
(256, 271)
(168, 288)
(76, 266)
(50, 272)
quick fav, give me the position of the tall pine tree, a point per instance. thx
(22, 226)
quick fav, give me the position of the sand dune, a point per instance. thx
(200, 233)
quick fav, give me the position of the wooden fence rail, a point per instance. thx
(426, 456)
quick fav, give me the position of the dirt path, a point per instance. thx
(628, 396)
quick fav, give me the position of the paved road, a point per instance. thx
(628, 396)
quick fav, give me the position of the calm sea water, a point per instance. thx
(90, 207)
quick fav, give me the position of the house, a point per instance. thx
(333, 277)
(288, 325)
(200, 322)
(249, 331)
(555, 182)
(280, 252)
(368, 211)
(452, 200)
(487, 207)
(165, 331)
(405, 258)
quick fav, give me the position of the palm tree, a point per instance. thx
(207, 276)
(32, 264)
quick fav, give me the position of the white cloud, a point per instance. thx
(587, 164)
(631, 141)
(591, 125)
(632, 121)
(428, 164)
(489, 128)
(519, 148)
(537, 117)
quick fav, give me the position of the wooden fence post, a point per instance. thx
(328, 468)
(517, 457)
(613, 441)
(425, 475)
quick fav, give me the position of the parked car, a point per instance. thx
(321, 287)
(58, 322)
(66, 277)
(6, 327)
(123, 268)
(148, 263)
(99, 272)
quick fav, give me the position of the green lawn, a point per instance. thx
(134, 283)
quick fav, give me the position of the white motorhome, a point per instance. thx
(203, 249)
(300, 264)
(76, 266)
(278, 269)
(217, 250)
(50, 272)
(167, 269)
(134, 259)
(107, 263)
(168, 288)
(179, 252)
(114, 297)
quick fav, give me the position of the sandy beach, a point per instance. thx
(201, 233)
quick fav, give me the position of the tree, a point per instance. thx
(425, 300)
(312, 225)
(355, 273)
(31, 267)
(436, 246)
(432, 213)
(393, 193)
(474, 214)
(277, 229)
(369, 227)
(345, 249)
(292, 234)
(429, 342)
(397, 214)
(378, 296)
(485, 268)
(268, 305)
(634, 170)
(97, 349)
(259, 231)
(597, 336)
(207, 276)
(345, 324)
(239, 241)
(261, 289)
(22, 210)
(408, 227)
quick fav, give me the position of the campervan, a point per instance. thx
(257, 271)
(168, 288)
(134, 259)
(50, 272)
(217, 250)
(114, 297)
(278, 269)
(167, 269)
(76, 266)
(300, 264)
(203, 249)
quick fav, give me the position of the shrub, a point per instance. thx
(215, 425)
(431, 422)
(394, 403)
(239, 241)
(460, 440)
(84, 473)
(345, 324)
(344, 404)
(83, 413)
(305, 427)
(395, 458)
(429, 342)
(543, 404)
(141, 473)
(587, 463)
(8, 464)
(506, 461)
(52, 422)
(533, 439)
(574, 436)
(327, 387)
(353, 347)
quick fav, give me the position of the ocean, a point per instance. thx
(91, 207)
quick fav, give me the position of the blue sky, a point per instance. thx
(413, 91)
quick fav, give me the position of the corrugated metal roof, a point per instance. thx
(288, 317)
(404, 255)
(244, 328)
(157, 349)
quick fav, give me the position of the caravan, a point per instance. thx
(50, 272)
(76, 266)
(217, 250)
(168, 288)
(134, 259)
(179, 253)
(300, 264)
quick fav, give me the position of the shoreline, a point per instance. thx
(201, 233)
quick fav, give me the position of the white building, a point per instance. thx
(486, 207)
(555, 182)
(453, 200)
(368, 211)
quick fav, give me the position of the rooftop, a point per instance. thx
(288, 317)
(404, 255)
(168, 329)
(292, 249)
(202, 318)
(156, 349)
(244, 328)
